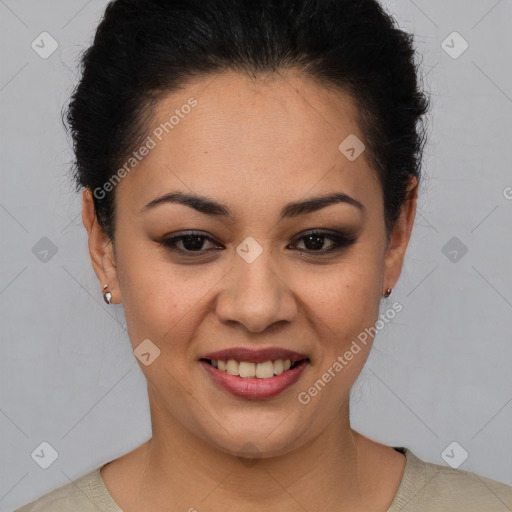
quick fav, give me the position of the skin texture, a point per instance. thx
(253, 144)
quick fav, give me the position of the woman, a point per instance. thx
(250, 173)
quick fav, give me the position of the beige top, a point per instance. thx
(425, 487)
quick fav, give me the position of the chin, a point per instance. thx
(256, 439)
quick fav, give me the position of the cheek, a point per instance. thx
(345, 298)
(161, 299)
(343, 303)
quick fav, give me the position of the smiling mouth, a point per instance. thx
(248, 370)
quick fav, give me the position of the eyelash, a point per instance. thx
(340, 241)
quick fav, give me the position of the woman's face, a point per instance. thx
(255, 280)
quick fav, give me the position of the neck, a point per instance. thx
(331, 470)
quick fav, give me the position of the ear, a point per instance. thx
(400, 235)
(101, 248)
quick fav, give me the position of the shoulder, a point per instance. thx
(87, 494)
(432, 487)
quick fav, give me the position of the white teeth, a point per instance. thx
(278, 367)
(245, 369)
(265, 370)
(232, 367)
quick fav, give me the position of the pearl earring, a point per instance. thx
(107, 296)
(387, 293)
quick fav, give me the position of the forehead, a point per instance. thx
(231, 134)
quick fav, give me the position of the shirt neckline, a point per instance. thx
(411, 478)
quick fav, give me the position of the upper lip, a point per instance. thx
(255, 355)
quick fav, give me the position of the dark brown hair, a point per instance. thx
(145, 49)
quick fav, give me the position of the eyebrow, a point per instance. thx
(208, 206)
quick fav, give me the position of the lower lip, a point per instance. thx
(254, 388)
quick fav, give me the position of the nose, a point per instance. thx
(256, 295)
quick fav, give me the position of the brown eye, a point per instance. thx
(188, 243)
(193, 243)
(314, 241)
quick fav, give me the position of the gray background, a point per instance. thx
(440, 372)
